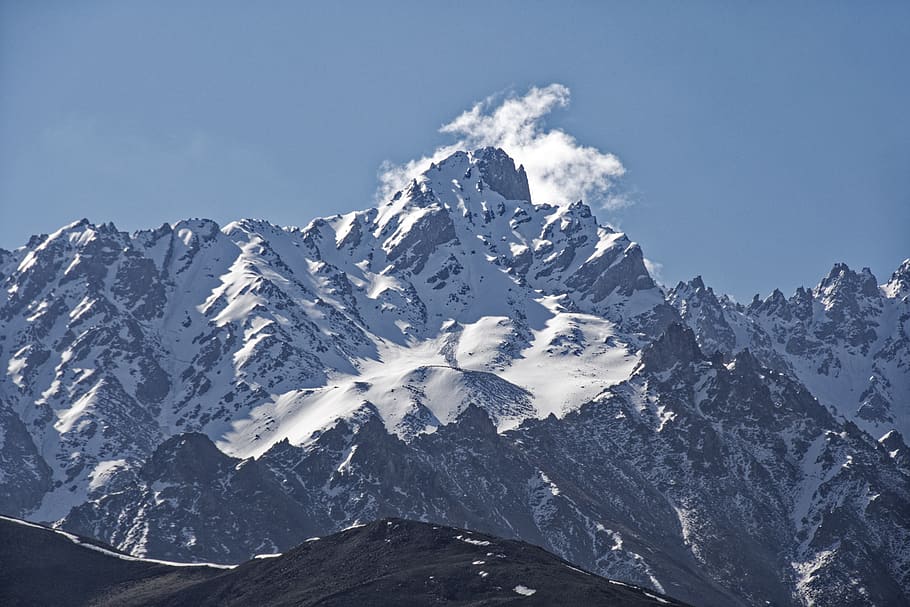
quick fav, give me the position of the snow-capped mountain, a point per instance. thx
(846, 339)
(717, 483)
(465, 355)
(449, 294)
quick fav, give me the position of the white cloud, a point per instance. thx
(560, 170)
(655, 269)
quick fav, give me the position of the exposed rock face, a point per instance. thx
(676, 346)
(498, 171)
(700, 308)
(458, 354)
(191, 494)
(897, 449)
(846, 339)
(24, 475)
(725, 483)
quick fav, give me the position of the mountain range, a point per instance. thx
(463, 355)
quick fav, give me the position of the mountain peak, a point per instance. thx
(899, 285)
(842, 279)
(475, 421)
(693, 289)
(190, 455)
(494, 168)
(745, 361)
(676, 344)
(498, 171)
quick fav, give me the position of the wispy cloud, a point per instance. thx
(560, 169)
(655, 269)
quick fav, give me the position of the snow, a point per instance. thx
(517, 248)
(103, 472)
(523, 590)
(240, 306)
(470, 540)
(688, 526)
(655, 597)
(578, 570)
(74, 264)
(814, 475)
(478, 344)
(70, 418)
(541, 494)
(124, 557)
(407, 223)
(27, 262)
(345, 466)
(445, 389)
(583, 349)
(583, 376)
(805, 570)
(606, 242)
(15, 369)
(254, 333)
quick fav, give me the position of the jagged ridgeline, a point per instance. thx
(464, 355)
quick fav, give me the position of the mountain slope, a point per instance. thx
(114, 342)
(464, 355)
(393, 562)
(846, 339)
(718, 483)
(40, 566)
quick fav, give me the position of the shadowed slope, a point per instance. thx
(391, 562)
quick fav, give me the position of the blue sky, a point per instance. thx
(760, 142)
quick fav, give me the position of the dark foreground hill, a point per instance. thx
(390, 562)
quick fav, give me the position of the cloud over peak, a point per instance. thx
(560, 170)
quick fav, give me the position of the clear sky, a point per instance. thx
(761, 142)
